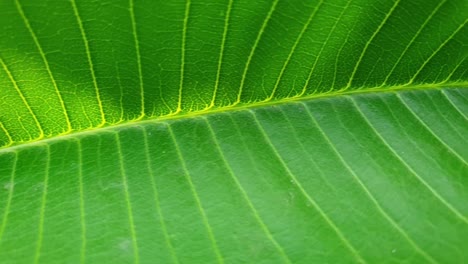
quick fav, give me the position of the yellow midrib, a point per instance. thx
(238, 107)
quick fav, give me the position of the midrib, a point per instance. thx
(239, 107)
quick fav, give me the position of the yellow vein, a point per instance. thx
(7, 134)
(86, 114)
(46, 64)
(119, 82)
(254, 48)
(455, 69)
(161, 95)
(131, 222)
(196, 197)
(156, 197)
(221, 53)
(25, 129)
(436, 51)
(138, 57)
(366, 46)
(40, 233)
(377, 64)
(305, 194)
(90, 61)
(312, 69)
(430, 130)
(411, 42)
(182, 56)
(408, 167)
(25, 102)
(11, 188)
(82, 202)
(254, 211)
(337, 57)
(293, 49)
(367, 191)
(246, 106)
(454, 105)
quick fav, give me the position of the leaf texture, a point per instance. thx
(233, 131)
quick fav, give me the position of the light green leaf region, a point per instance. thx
(233, 131)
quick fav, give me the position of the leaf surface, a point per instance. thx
(233, 131)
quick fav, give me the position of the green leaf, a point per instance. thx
(233, 131)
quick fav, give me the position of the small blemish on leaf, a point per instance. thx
(8, 186)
